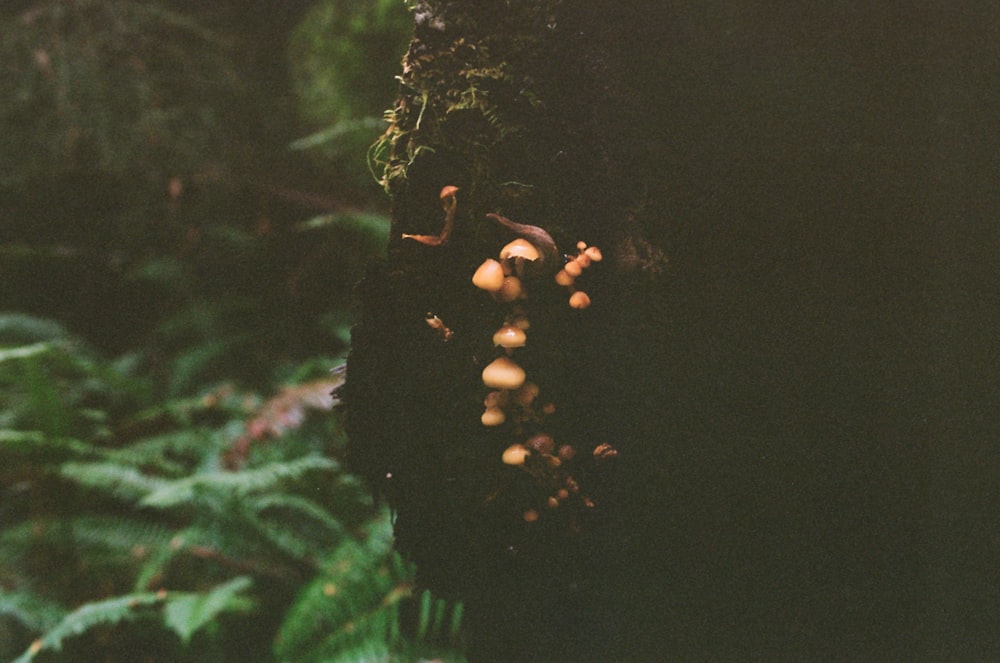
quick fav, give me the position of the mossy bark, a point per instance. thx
(746, 336)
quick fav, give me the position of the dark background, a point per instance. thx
(825, 187)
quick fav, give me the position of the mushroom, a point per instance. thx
(489, 276)
(519, 248)
(510, 336)
(527, 394)
(450, 205)
(515, 454)
(502, 373)
(541, 442)
(579, 299)
(510, 289)
(493, 416)
(564, 278)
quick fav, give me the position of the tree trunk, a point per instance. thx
(732, 450)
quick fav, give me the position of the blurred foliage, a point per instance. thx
(184, 209)
(215, 527)
(344, 57)
(164, 165)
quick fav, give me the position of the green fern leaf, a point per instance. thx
(38, 447)
(86, 617)
(173, 493)
(119, 481)
(186, 614)
(32, 611)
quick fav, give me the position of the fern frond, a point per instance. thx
(132, 536)
(294, 504)
(157, 452)
(21, 328)
(30, 610)
(38, 447)
(119, 481)
(269, 476)
(188, 613)
(110, 611)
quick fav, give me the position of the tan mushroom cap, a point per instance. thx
(493, 416)
(503, 373)
(489, 276)
(519, 248)
(510, 336)
(515, 454)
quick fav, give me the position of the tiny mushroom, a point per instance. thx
(510, 289)
(493, 416)
(489, 276)
(510, 336)
(579, 299)
(519, 248)
(502, 373)
(515, 454)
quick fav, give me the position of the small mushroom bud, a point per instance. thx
(552, 503)
(489, 276)
(579, 299)
(581, 245)
(495, 399)
(510, 289)
(573, 268)
(530, 516)
(563, 278)
(521, 322)
(593, 253)
(493, 416)
(566, 452)
(502, 373)
(583, 260)
(519, 248)
(510, 336)
(515, 454)
(541, 442)
(527, 394)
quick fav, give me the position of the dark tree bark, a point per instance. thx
(777, 363)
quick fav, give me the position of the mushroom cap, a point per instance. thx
(564, 278)
(489, 276)
(510, 336)
(573, 268)
(510, 289)
(448, 191)
(593, 253)
(503, 373)
(493, 416)
(515, 454)
(579, 299)
(520, 248)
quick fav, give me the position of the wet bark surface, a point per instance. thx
(794, 209)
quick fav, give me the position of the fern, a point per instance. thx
(122, 482)
(107, 612)
(237, 483)
(35, 446)
(30, 610)
(188, 613)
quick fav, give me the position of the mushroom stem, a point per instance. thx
(450, 205)
(539, 237)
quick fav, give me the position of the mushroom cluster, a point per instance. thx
(512, 399)
(574, 267)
